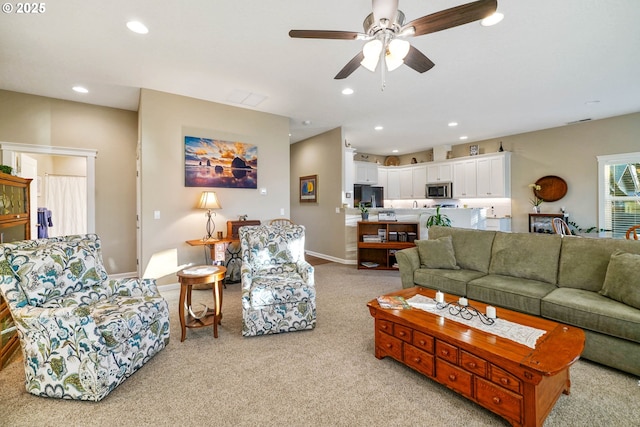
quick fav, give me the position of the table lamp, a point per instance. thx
(209, 201)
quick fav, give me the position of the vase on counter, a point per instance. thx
(365, 216)
(536, 209)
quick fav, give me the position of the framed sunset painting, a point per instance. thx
(218, 163)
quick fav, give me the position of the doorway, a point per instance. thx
(11, 157)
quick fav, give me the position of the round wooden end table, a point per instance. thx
(200, 275)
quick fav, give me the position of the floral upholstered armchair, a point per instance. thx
(278, 291)
(81, 333)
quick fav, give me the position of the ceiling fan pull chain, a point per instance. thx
(383, 67)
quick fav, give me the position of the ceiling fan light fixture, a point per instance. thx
(371, 52)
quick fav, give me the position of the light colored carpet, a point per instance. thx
(324, 377)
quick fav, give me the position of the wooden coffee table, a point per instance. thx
(519, 383)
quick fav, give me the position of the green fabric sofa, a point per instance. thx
(593, 284)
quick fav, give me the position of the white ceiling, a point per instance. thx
(537, 69)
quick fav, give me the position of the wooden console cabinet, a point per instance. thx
(15, 225)
(393, 236)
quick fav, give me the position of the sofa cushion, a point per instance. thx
(526, 255)
(449, 281)
(437, 253)
(622, 281)
(590, 310)
(514, 293)
(574, 272)
(472, 248)
(121, 318)
(53, 270)
(280, 289)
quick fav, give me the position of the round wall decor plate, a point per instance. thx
(552, 188)
(392, 161)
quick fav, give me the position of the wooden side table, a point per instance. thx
(200, 275)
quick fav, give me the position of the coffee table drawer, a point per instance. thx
(499, 400)
(402, 332)
(454, 377)
(389, 346)
(447, 351)
(384, 326)
(505, 379)
(423, 341)
(419, 360)
(473, 364)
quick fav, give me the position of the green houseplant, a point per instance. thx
(364, 211)
(438, 219)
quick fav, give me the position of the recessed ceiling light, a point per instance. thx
(347, 91)
(81, 89)
(464, 137)
(306, 122)
(394, 151)
(378, 128)
(137, 27)
(492, 20)
(453, 124)
(594, 102)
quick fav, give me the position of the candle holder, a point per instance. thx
(467, 312)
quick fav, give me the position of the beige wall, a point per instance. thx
(164, 121)
(29, 119)
(321, 155)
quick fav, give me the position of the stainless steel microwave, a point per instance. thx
(440, 190)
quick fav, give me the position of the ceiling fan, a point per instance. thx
(385, 30)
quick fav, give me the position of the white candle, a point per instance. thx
(463, 301)
(491, 312)
(439, 297)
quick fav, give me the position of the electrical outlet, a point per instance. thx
(281, 211)
(337, 210)
(156, 214)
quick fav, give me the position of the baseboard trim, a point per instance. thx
(331, 258)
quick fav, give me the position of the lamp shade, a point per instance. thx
(209, 200)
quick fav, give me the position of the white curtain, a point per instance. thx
(66, 198)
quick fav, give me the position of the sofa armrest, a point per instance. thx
(306, 271)
(408, 262)
(134, 286)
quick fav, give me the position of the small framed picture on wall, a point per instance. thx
(473, 150)
(309, 189)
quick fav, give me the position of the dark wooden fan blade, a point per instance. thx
(321, 34)
(418, 61)
(350, 67)
(384, 9)
(453, 17)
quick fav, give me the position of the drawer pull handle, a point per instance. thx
(402, 333)
(472, 365)
(452, 377)
(496, 400)
(504, 381)
(423, 342)
(444, 352)
(383, 327)
(388, 345)
(416, 359)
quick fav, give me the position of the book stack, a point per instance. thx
(371, 238)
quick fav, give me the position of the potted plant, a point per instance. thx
(536, 201)
(438, 219)
(364, 211)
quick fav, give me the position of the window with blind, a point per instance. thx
(619, 192)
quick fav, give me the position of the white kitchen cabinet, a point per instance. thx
(439, 172)
(392, 191)
(498, 224)
(366, 173)
(464, 179)
(406, 183)
(419, 176)
(382, 179)
(494, 176)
